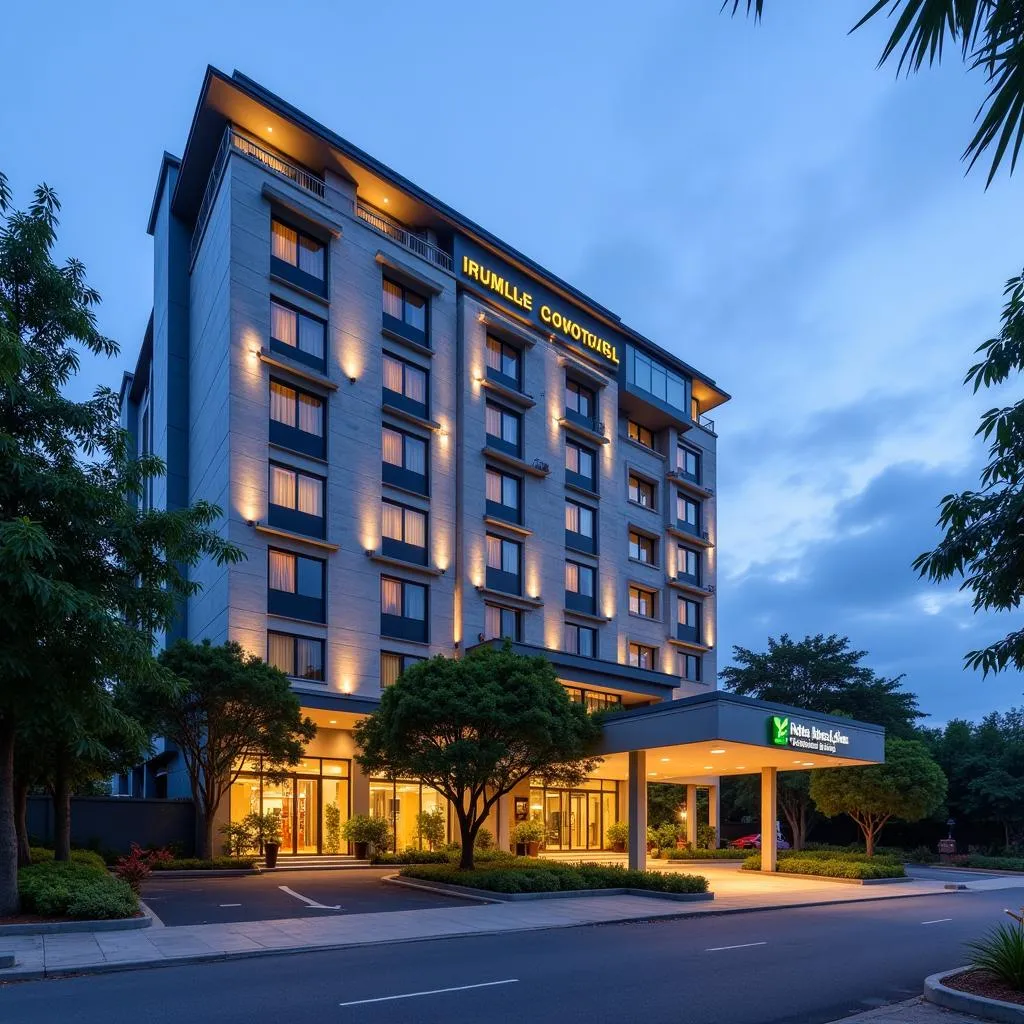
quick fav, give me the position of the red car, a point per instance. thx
(753, 842)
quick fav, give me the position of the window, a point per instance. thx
(643, 602)
(405, 311)
(297, 420)
(297, 334)
(581, 640)
(301, 657)
(503, 430)
(296, 500)
(503, 495)
(579, 587)
(504, 363)
(640, 434)
(501, 623)
(579, 466)
(641, 492)
(642, 656)
(690, 664)
(405, 385)
(688, 514)
(295, 585)
(298, 257)
(652, 376)
(643, 548)
(687, 563)
(688, 463)
(580, 403)
(403, 609)
(392, 665)
(579, 526)
(403, 532)
(688, 618)
(593, 699)
(405, 460)
(503, 562)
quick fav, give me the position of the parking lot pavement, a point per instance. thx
(949, 873)
(262, 898)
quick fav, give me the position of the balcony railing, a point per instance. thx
(233, 142)
(397, 232)
(706, 422)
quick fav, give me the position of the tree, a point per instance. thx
(909, 785)
(819, 673)
(223, 708)
(86, 576)
(474, 728)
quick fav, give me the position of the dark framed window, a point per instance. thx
(688, 514)
(641, 492)
(690, 665)
(297, 334)
(296, 585)
(504, 429)
(298, 257)
(405, 385)
(646, 373)
(392, 665)
(504, 564)
(688, 463)
(504, 495)
(404, 460)
(403, 609)
(594, 700)
(502, 623)
(688, 619)
(504, 363)
(405, 311)
(580, 403)
(643, 602)
(643, 548)
(580, 466)
(643, 656)
(297, 419)
(688, 564)
(296, 500)
(580, 587)
(581, 640)
(640, 434)
(403, 532)
(301, 657)
(580, 526)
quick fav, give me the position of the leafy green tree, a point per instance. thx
(86, 577)
(909, 785)
(222, 707)
(819, 673)
(474, 728)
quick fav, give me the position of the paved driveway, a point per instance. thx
(261, 897)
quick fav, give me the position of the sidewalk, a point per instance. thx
(914, 1011)
(90, 952)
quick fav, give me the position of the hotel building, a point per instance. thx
(422, 441)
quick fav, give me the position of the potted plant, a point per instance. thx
(364, 832)
(528, 835)
(618, 836)
(266, 832)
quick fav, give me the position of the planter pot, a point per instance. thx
(270, 851)
(362, 850)
(521, 849)
(532, 849)
(619, 847)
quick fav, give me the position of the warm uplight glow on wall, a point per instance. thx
(252, 342)
(476, 565)
(353, 357)
(608, 598)
(250, 497)
(532, 575)
(442, 549)
(369, 525)
(670, 560)
(553, 632)
(444, 440)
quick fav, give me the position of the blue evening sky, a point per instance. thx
(758, 199)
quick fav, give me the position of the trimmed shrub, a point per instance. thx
(854, 856)
(42, 855)
(81, 891)
(832, 868)
(208, 864)
(922, 855)
(618, 835)
(702, 854)
(412, 857)
(976, 860)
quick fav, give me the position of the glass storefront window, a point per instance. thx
(576, 819)
(400, 803)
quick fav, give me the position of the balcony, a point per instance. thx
(391, 228)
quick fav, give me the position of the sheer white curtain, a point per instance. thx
(391, 521)
(309, 657)
(284, 242)
(572, 577)
(494, 353)
(493, 552)
(311, 495)
(415, 384)
(311, 336)
(282, 571)
(280, 651)
(393, 374)
(416, 455)
(392, 299)
(390, 597)
(415, 601)
(282, 324)
(311, 257)
(282, 404)
(493, 486)
(391, 443)
(311, 415)
(415, 528)
(282, 487)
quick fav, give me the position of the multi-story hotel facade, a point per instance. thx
(422, 441)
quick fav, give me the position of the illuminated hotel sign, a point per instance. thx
(544, 309)
(787, 732)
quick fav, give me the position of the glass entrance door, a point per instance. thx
(577, 820)
(307, 815)
(279, 796)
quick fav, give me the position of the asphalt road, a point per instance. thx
(261, 898)
(774, 967)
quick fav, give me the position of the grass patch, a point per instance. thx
(74, 890)
(705, 854)
(526, 874)
(205, 864)
(833, 868)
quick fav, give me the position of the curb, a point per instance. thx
(213, 873)
(965, 1002)
(487, 896)
(123, 924)
(842, 881)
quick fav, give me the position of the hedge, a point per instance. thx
(976, 860)
(208, 864)
(449, 855)
(832, 868)
(42, 855)
(856, 856)
(699, 854)
(528, 875)
(76, 890)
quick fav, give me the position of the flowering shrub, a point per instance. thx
(138, 865)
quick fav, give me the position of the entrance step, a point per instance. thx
(327, 862)
(588, 856)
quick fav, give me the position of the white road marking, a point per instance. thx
(230, 904)
(306, 899)
(431, 992)
(742, 945)
(938, 920)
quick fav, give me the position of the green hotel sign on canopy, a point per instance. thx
(784, 731)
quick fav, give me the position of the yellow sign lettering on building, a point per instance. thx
(571, 329)
(496, 283)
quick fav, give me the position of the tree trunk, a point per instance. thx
(61, 815)
(21, 822)
(207, 835)
(467, 831)
(869, 840)
(9, 902)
